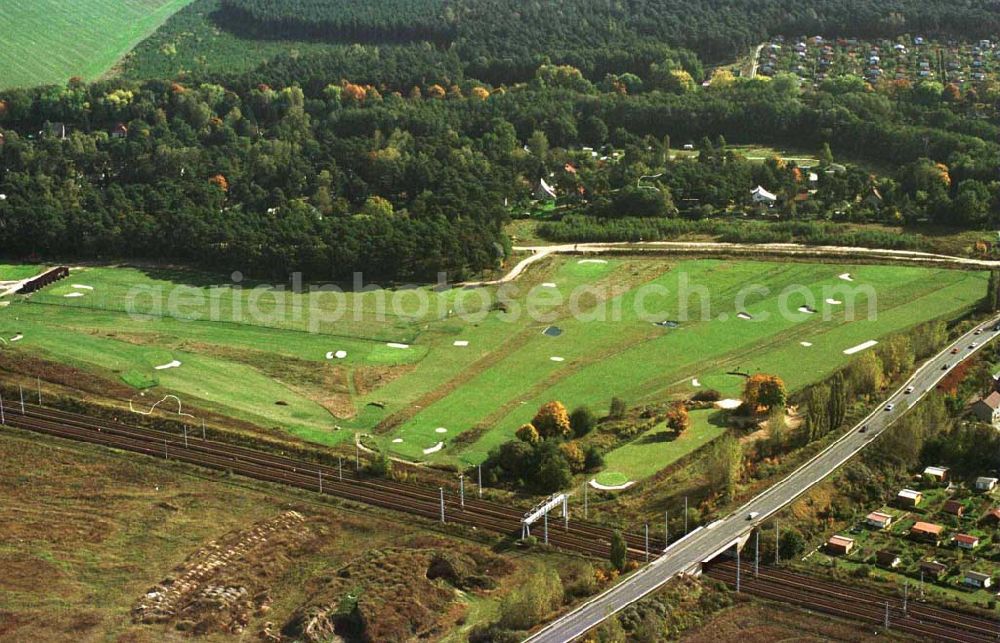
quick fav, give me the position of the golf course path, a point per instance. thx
(754, 249)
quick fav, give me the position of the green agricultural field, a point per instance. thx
(50, 41)
(434, 384)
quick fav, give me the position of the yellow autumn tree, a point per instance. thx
(528, 433)
(481, 93)
(552, 420)
(574, 456)
(763, 393)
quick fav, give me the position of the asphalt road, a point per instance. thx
(687, 554)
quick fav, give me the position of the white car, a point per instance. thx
(889, 407)
(752, 515)
(909, 389)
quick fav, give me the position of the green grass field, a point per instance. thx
(262, 356)
(50, 41)
(658, 447)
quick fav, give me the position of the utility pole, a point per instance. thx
(3, 420)
(357, 457)
(340, 468)
(566, 513)
(685, 515)
(647, 542)
(906, 592)
(737, 568)
(21, 391)
(479, 468)
(38, 383)
(321, 481)
(777, 555)
(666, 530)
(756, 553)
(461, 489)
(203, 430)
(166, 454)
(921, 583)
(546, 519)
(887, 615)
(441, 489)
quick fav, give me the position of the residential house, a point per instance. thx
(886, 558)
(119, 131)
(878, 520)
(988, 408)
(966, 541)
(993, 516)
(927, 532)
(760, 195)
(544, 191)
(933, 569)
(985, 484)
(955, 508)
(839, 545)
(938, 474)
(909, 498)
(977, 579)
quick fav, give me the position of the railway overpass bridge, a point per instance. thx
(687, 555)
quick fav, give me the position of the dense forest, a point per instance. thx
(399, 161)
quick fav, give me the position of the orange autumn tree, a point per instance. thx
(220, 181)
(552, 420)
(677, 417)
(763, 393)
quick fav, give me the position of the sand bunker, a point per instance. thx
(610, 487)
(667, 323)
(17, 338)
(806, 344)
(396, 345)
(82, 287)
(548, 284)
(557, 359)
(552, 331)
(695, 382)
(744, 315)
(434, 449)
(834, 302)
(846, 277)
(460, 342)
(807, 309)
(592, 261)
(729, 404)
(440, 429)
(398, 441)
(336, 354)
(163, 367)
(73, 294)
(860, 347)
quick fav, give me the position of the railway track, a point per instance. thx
(919, 619)
(341, 481)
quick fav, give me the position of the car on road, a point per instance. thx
(996, 328)
(752, 515)
(864, 429)
(909, 389)
(889, 407)
(973, 345)
(979, 331)
(946, 367)
(954, 351)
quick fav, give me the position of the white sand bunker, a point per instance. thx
(744, 315)
(17, 338)
(695, 382)
(548, 284)
(846, 277)
(82, 287)
(610, 487)
(398, 441)
(440, 429)
(73, 294)
(396, 345)
(460, 342)
(337, 354)
(807, 309)
(860, 347)
(834, 302)
(729, 404)
(163, 367)
(434, 449)
(592, 261)
(806, 344)
(555, 358)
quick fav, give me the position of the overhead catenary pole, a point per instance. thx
(647, 542)
(546, 519)
(586, 486)
(737, 568)
(166, 454)
(185, 436)
(479, 469)
(461, 489)
(777, 554)
(340, 468)
(38, 383)
(203, 430)
(906, 592)
(357, 458)
(3, 420)
(441, 489)
(21, 391)
(887, 615)
(685, 515)
(756, 553)
(321, 481)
